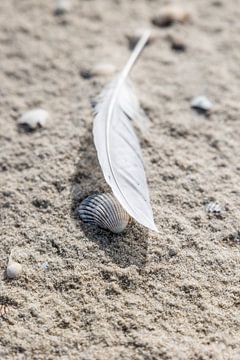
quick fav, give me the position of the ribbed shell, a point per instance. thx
(105, 211)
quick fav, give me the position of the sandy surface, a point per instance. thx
(84, 293)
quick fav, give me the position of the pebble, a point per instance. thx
(135, 36)
(201, 103)
(169, 15)
(14, 270)
(61, 7)
(33, 119)
(177, 43)
(101, 69)
(172, 252)
(85, 73)
(233, 238)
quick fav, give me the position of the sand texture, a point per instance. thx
(84, 293)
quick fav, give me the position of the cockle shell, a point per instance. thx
(105, 211)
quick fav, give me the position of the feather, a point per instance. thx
(118, 149)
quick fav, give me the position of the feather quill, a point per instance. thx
(117, 146)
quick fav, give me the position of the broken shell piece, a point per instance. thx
(4, 309)
(104, 211)
(61, 7)
(201, 103)
(169, 15)
(34, 118)
(135, 36)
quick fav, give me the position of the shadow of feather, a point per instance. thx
(125, 249)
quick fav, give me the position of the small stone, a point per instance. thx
(172, 252)
(33, 119)
(217, 3)
(41, 203)
(201, 103)
(101, 69)
(44, 265)
(85, 73)
(14, 270)
(61, 7)
(135, 36)
(177, 43)
(233, 238)
(169, 15)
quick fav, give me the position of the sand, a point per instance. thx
(85, 293)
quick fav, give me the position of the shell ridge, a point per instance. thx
(105, 211)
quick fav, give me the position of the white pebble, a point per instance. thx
(201, 103)
(14, 270)
(62, 6)
(104, 69)
(34, 118)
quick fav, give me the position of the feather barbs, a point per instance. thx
(117, 145)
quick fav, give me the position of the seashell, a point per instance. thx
(14, 269)
(214, 208)
(105, 211)
(168, 15)
(135, 36)
(4, 309)
(201, 103)
(61, 7)
(34, 118)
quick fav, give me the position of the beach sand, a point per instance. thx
(86, 293)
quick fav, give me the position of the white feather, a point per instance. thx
(117, 145)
